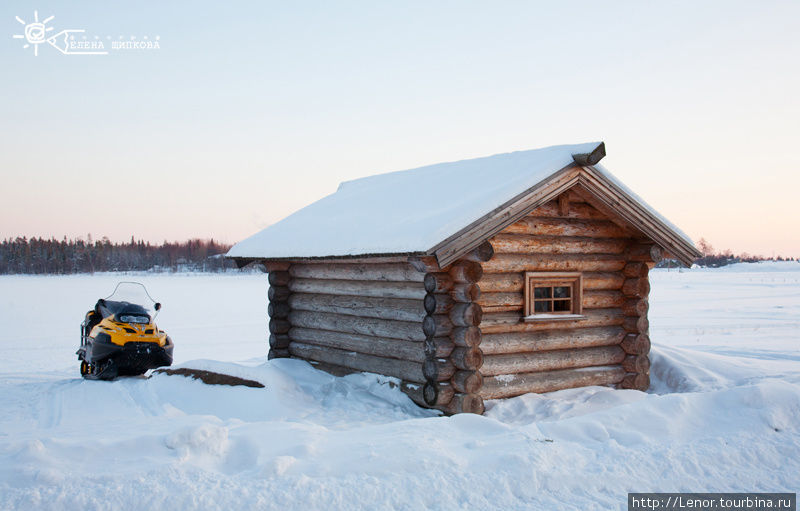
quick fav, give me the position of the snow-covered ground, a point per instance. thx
(723, 413)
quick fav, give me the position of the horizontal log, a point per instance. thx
(645, 253)
(436, 325)
(505, 263)
(278, 310)
(279, 326)
(403, 330)
(403, 369)
(546, 340)
(637, 287)
(438, 369)
(602, 299)
(635, 307)
(467, 382)
(438, 303)
(515, 282)
(278, 353)
(466, 403)
(636, 381)
(279, 341)
(466, 314)
(635, 270)
(414, 392)
(516, 363)
(501, 299)
(369, 345)
(596, 280)
(438, 347)
(397, 309)
(636, 363)
(409, 290)
(278, 278)
(502, 283)
(636, 325)
(636, 344)
(467, 359)
(465, 292)
(386, 272)
(482, 253)
(278, 293)
(566, 227)
(516, 385)
(438, 283)
(526, 244)
(469, 336)
(437, 394)
(512, 322)
(580, 210)
(466, 271)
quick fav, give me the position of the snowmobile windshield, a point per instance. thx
(129, 303)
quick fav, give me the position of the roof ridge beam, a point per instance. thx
(592, 158)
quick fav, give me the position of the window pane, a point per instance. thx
(562, 305)
(542, 306)
(561, 292)
(542, 292)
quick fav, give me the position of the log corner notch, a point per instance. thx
(278, 309)
(636, 289)
(453, 383)
(593, 158)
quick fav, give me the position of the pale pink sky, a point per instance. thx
(244, 116)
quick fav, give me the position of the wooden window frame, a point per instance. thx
(553, 279)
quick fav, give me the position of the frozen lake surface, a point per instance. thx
(722, 414)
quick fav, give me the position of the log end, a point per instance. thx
(468, 382)
(466, 403)
(638, 381)
(278, 278)
(482, 253)
(438, 282)
(278, 353)
(437, 394)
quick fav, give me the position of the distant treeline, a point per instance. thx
(713, 259)
(51, 256)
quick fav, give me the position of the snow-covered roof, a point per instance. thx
(411, 211)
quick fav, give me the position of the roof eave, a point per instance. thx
(632, 211)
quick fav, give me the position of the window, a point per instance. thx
(552, 295)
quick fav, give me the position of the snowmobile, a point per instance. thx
(119, 336)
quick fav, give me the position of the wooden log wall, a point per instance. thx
(455, 336)
(347, 316)
(606, 347)
(410, 320)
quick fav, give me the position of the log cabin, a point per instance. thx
(471, 280)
